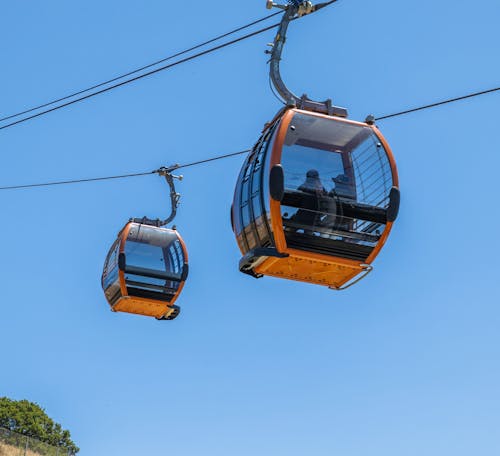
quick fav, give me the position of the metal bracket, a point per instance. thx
(370, 119)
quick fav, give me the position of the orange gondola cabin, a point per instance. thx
(318, 194)
(145, 271)
(315, 200)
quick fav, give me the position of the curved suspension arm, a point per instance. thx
(174, 198)
(294, 10)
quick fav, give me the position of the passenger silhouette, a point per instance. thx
(343, 187)
(312, 184)
(310, 215)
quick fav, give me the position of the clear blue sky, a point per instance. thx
(405, 363)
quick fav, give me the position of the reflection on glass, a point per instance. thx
(297, 161)
(156, 251)
(337, 182)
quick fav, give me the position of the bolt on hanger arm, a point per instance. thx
(293, 10)
(174, 197)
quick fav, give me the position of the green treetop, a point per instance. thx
(28, 418)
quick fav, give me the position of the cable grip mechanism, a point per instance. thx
(175, 197)
(303, 7)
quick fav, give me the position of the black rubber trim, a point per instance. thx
(277, 183)
(185, 272)
(394, 200)
(121, 261)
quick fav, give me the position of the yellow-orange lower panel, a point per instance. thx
(309, 270)
(148, 308)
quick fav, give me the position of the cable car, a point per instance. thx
(146, 267)
(318, 194)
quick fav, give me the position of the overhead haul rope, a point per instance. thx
(475, 94)
(136, 78)
(138, 70)
(141, 76)
(439, 103)
(161, 171)
(220, 157)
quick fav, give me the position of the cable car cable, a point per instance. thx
(388, 116)
(76, 181)
(439, 103)
(220, 157)
(109, 81)
(136, 78)
(207, 160)
(124, 176)
(149, 73)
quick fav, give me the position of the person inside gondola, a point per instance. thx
(310, 214)
(312, 184)
(343, 187)
(344, 190)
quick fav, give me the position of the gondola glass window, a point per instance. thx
(336, 177)
(153, 262)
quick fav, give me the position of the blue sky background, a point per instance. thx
(405, 363)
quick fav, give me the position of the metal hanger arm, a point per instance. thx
(174, 198)
(294, 10)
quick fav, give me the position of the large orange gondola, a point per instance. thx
(146, 267)
(318, 194)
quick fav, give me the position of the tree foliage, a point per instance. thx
(29, 419)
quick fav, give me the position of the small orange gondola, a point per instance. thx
(318, 194)
(146, 267)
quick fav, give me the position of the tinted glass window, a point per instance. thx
(245, 214)
(249, 216)
(154, 249)
(110, 272)
(336, 178)
(298, 160)
(257, 207)
(372, 171)
(149, 253)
